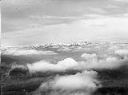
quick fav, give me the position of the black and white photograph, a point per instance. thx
(64, 47)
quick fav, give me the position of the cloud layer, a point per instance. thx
(104, 56)
(20, 52)
(74, 71)
(90, 61)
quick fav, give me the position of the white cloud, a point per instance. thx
(70, 84)
(43, 66)
(89, 56)
(84, 83)
(122, 52)
(68, 63)
(83, 80)
(18, 52)
(93, 62)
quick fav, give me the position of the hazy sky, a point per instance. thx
(26, 22)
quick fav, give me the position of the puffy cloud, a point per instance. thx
(43, 66)
(79, 81)
(67, 63)
(18, 52)
(108, 63)
(84, 82)
(93, 62)
(122, 52)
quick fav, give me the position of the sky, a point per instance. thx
(29, 22)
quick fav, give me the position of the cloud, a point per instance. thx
(83, 80)
(68, 63)
(102, 57)
(109, 62)
(89, 56)
(18, 69)
(43, 66)
(104, 28)
(125, 1)
(65, 49)
(20, 52)
(122, 52)
(57, 17)
(89, 61)
(80, 83)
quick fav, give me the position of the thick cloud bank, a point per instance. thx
(90, 61)
(72, 70)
